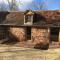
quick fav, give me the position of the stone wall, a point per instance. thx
(40, 35)
(19, 33)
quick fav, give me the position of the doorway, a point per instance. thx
(54, 34)
(28, 33)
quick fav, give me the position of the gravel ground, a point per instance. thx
(20, 53)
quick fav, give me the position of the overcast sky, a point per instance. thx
(29, 4)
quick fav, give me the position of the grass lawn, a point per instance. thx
(20, 53)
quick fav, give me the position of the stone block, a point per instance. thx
(40, 36)
(19, 33)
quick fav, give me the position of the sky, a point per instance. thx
(34, 4)
(53, 4)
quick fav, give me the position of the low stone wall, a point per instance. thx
(19, 33)
(40, 35)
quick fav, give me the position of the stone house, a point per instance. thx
(41, 27)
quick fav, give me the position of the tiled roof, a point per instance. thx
(41, 18)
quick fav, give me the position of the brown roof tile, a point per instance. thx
(43, 18)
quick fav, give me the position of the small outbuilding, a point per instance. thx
(41, 27)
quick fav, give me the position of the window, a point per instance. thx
(54, 34)
(28, 19)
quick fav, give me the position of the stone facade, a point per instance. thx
(40, 35)
(19, 33)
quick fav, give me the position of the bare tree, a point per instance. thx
(40, 5)
(12, 5)
(3, 6)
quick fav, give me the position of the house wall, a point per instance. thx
(19, 33)
(40, 35)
